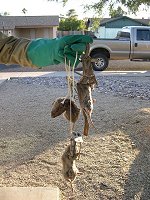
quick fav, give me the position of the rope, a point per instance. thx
(70, 91)
(67, 67)
(73, 72)
(70, 100)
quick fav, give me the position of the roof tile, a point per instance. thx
(11, 22)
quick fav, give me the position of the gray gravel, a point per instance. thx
(114, 161)
(131, 87)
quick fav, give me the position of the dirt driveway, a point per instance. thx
(115, 163)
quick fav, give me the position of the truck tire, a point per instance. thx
(101, 62)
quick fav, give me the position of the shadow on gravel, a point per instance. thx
(8, 67)
(27, 131)
(26, 127)
(137, 185)
(18, 68)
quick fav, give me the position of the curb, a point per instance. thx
(30, 193)
(7, 76)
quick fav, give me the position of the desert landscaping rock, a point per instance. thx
(114, 162)
(118, 86)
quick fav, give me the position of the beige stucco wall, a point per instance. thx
(54, 31)
(22, 32)
(33, 33)
(39, 32)
(50, 32)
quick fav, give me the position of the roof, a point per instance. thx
(108, 20)
(12, 22)
(146, 21)
(103, 21)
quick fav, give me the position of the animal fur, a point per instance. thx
(74, 111)
(86, 103)
(58, 107)
(84, 88)
(70, 170)
(62, 105)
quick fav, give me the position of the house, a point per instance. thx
(30, 26)
(110, 26)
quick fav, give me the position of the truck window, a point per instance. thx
(143, 34)
(123, 35)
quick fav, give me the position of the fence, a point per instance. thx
(64, 33)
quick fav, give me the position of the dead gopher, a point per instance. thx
(86, 103)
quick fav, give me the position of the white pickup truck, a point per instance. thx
(131, 42)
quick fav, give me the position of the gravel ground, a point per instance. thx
(118, 86)
(114, 162)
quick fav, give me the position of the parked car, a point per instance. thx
(131, 42)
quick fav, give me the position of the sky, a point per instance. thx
(41, 7)
(45, 7)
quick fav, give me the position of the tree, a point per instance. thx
(71, 13)
(4, 14)
(116, 12)
(71, 24)
(132, 5)
(95, 23)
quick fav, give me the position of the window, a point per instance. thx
(123, 35)
(143, 35)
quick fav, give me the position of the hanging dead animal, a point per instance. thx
(84, 88)
(58, 107)
(71, 153)
(66, 106)
(72, 111)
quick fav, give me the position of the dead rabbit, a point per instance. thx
(71, 153)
